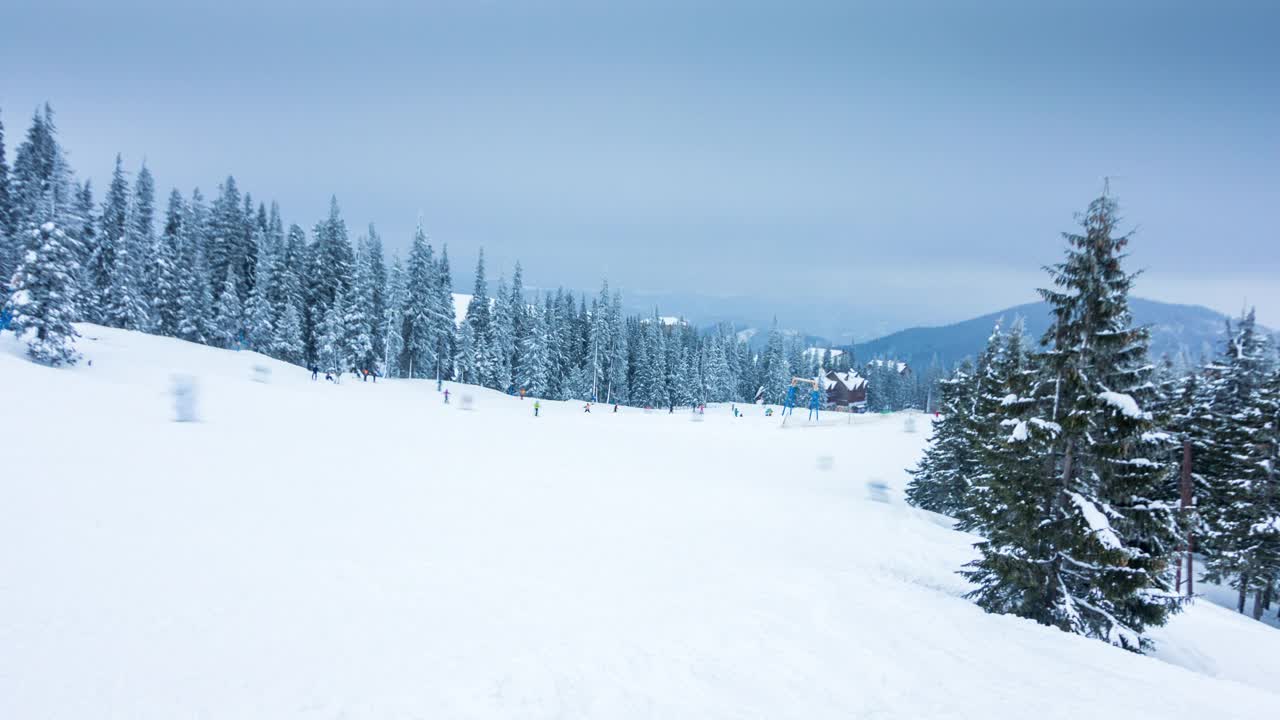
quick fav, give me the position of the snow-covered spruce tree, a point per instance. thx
(161, 266)
(940, 483)
(1010, 509)
(357, 335)
(9, 240)
(1241, 505)
(444, 323)
(142, 242)
(519, 315)
(40, 183)
(124, 306)
(99, 276)
(617, 389)
(532, 373)
(259, 315)
(392, 319)
(1093, 558)
(479, 321)
(329, 344)
(464, 361)
(502, 339)
(43, 297)
(777, 373)
(195, 296)
(418, 354)
(377, 269)
(229, 313)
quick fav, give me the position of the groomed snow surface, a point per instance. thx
(364, 551)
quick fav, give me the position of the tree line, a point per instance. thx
(226, 271)
(1065, 457)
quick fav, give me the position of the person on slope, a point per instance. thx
(790, 402)
(586, 408)
(446, 397)
(315, 372)
(537, 405)
(815, 402)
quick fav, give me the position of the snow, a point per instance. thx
(897, 365)
(460, 303)
(362, 550)
(818, 352)
(1020, 432)
(1097, 521)
(1124, 403)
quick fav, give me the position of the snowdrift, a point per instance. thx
(362, 550)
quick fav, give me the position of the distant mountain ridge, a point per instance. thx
(1191, 330)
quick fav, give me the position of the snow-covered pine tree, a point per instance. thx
(418, 354)
(393, 320)
(444, 317)
(357, 321)
(9, 241)
(195, 297)
(40, 183)
(940, 483)
(1095, 560)
(224, 227)
(578, 385)
(532, 373)
(162, 270)
(617, 389)
(124, 306)
(142, 242)
(229, 313)
(519, 313)
(378, 299)
(479, 319)
(777, 372)
(1242, 504)
(259, 313)
(332, 272)
(43, 297)
(464, 361)
(502, 338)
(99, 277)
(329, 343)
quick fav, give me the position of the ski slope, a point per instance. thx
(362, 550)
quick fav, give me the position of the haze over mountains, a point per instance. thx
(1192, 331)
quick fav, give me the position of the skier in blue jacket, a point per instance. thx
(814, 403)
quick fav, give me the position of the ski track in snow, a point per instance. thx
(364, 551)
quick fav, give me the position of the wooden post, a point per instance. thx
(1186, 507)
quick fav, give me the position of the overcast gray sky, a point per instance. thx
(917, 158)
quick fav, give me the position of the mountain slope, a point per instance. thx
(1189, 329)
(363, 550)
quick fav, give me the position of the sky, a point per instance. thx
(893, 163)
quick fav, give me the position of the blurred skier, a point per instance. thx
(815, 402)
(446, 397)
(537, 405)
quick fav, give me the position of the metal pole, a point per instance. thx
(1186, 507)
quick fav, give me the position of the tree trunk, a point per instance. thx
(1257, 604)
(1244, 593)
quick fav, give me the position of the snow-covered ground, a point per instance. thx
(365, 551)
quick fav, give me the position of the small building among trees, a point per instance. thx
(846, 391)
